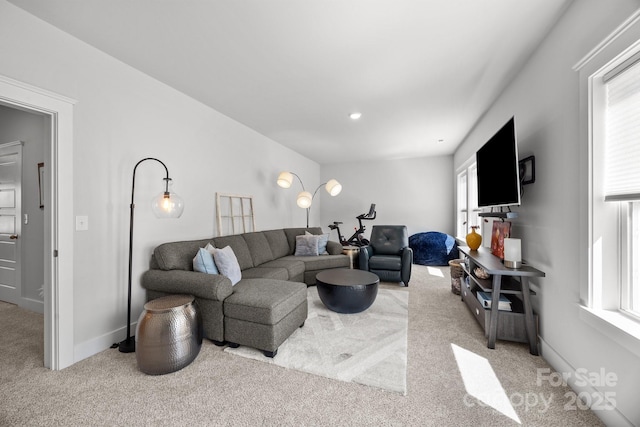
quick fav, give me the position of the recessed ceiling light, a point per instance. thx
(355, 116)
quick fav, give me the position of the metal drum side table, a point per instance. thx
(168, 335)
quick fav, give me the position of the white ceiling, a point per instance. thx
(419, 70)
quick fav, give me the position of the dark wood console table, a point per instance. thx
(507, 281)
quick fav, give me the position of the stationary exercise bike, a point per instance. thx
(357, 239)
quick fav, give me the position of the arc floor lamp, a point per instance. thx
(305, 198)
(164, 205)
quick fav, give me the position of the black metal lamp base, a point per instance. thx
(128, 345)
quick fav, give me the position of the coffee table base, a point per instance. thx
(347, 291)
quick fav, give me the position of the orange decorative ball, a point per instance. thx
(474, 239)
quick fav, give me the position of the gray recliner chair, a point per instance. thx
(388, 254)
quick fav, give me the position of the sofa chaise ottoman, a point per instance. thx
(262, 313)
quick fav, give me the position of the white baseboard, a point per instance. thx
(611, 417)
(32, 305)
(101, 343)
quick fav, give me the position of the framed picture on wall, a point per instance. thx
(41, 184)
(527, 170)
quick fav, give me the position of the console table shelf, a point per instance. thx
(509, 285)
(520, 324)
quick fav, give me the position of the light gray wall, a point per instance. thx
(414, 192)
(120, 117)
(31, 129)
(545, 100)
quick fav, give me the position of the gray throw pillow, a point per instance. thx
(322, 242)
(306, 245)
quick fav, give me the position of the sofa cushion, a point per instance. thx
(278, 273)
(293, 232)
(294, 267)
(240, 249)
(258, 247)
(178, 255)
(264, 301)
(227, 263)
(278, 242)
(321, 262)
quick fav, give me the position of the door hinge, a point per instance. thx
(55, 253)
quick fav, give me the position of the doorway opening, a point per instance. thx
(21, 208)
(58, 211)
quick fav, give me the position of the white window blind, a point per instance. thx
(622, 122)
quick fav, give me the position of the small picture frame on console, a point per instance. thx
(501, 230)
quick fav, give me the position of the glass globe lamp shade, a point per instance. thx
(285, 179)
(333, 187)
(167, 205)
(304, 199)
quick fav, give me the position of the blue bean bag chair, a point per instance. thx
(433, 248)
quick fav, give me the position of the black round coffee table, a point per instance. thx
(347, 291)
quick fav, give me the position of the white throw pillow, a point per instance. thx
(307, 245)
(227, 263)
(210, 248)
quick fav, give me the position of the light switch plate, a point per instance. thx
(82, 223)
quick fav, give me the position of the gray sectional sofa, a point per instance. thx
(270, 301)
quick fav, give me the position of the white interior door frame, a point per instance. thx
(58, 226)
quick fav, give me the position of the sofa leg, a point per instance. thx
(219, 343)
(270, 353)
(302, 324)
(233, 345)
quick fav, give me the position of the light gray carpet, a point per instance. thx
(220, 389)
(367, 348)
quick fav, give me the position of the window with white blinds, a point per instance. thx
(467, 203)
(462, 204)
(622, 133)
(610, 236)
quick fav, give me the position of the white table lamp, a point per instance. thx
(512, 253)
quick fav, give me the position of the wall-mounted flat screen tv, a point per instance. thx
(497, 169)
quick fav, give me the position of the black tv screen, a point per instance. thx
(497, 169)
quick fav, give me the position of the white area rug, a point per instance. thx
(367, 348)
